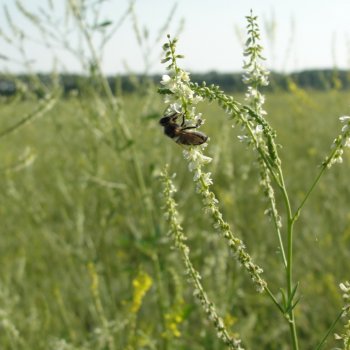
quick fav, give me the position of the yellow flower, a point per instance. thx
(141, 283)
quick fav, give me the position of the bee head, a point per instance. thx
(169, 119)
(164, 121)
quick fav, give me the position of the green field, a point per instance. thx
(85, 258)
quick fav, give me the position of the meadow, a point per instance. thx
(98, 251)
(86, 259)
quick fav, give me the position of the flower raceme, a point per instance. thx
(345, 336)
(340, 142)
(178, 236)
(203, 181)
(182, 98)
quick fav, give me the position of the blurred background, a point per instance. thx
(85, 257)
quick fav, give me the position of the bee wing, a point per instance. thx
(191, 138)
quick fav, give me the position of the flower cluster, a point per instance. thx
(179, 239)
(172, 320)
(345, 287)
(345, 337)
(182, 98)
(141, 284)
(258, 132)
(211, 206)
(341, 141)
(256, 75)
(177, 84)
(178, 94)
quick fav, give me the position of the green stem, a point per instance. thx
(274, 300)
(275, 216)
(289, 267)
(104, 82)
(324, 167)
(173, 56)
(280, 242)
(113, 104)
(320, 344)
(297, 213)
(40, 111)
(289, 275)
(279, 181)
(161, 299)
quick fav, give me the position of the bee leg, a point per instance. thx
(199, 123)
(183, 120)
(190, 127)
(172, 115)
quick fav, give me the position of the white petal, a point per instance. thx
(344, 118)
(165, 79)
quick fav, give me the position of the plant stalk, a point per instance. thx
(289, 267)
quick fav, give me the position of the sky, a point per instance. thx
(306, 34)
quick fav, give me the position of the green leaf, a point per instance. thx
(284, 298)
(104, 24)
(164, 91)
(165, 59)
(249, 40)
(293, 292)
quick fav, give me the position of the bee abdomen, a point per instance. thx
(192, 138)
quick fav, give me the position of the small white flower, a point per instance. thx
(197, 99)
(168, 99)
(174, 107)
(184, 90)
(196, 157)
(258, 130)
(207, 179)
(242, 138)
(186, 154)
(165, 79)
(337, 336)
(197, 175)
(191, 166)
(345, 287)
(205, 159)
(246, 78)
(251, 92)
(196, 292)
(197, 117)
(264, 81)
(216, 225)
(344, 119)
(184, 76)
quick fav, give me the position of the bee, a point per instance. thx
(181, 133)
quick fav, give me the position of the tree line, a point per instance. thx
(325, 79)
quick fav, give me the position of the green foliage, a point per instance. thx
(79, 202)
(84, 248)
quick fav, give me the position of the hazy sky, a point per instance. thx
(307, 34)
